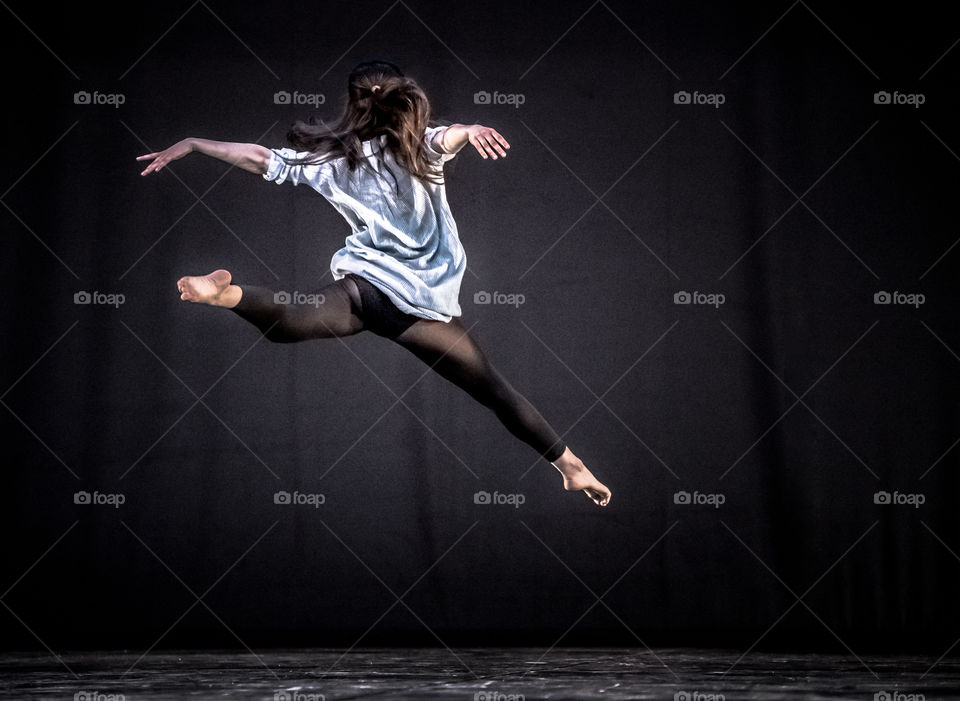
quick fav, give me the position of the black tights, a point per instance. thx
(353, 304)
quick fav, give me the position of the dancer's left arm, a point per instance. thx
(486, 140)
(250, 157)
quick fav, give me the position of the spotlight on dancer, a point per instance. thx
(399, 273)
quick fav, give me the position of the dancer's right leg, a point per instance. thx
(334, 309)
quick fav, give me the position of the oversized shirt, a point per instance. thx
(407, 244)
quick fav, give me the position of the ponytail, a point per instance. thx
(380, 101)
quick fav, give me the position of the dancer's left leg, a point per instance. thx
(449, 350)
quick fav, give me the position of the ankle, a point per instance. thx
(229, 297)
(568, 463)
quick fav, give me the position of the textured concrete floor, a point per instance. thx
(481, 674)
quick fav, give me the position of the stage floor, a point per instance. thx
(484, 674)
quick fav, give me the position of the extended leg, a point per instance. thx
(331, 311)
(455, 355)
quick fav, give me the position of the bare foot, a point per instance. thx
(576, 476)
(214, 289)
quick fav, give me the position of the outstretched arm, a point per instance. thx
(250, 157)
(484, 139)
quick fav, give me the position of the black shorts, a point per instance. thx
(378, 312)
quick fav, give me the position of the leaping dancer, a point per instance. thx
(399, 274)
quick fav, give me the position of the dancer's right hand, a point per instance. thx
(161, 158)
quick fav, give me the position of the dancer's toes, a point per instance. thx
(576, 477)
(206, 289)
(600, 496)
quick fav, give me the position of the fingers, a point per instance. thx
(499, 138)
(485, 146)
(490, 143)
(480, 145)
(154, 167)
(493, 148)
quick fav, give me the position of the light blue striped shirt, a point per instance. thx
(406, 245)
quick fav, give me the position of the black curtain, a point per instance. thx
(781, 449)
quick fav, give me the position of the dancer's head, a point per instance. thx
(380, 100)
(369, 81)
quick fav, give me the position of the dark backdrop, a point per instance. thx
(782, 409)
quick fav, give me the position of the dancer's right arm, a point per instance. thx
(250, 157)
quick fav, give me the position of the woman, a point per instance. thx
(400, 271)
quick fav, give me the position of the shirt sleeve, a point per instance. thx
(279, 171)
(433, 150)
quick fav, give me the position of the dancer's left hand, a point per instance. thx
(487, 141)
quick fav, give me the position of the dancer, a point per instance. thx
(399, 273)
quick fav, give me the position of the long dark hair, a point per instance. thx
(398, 108)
